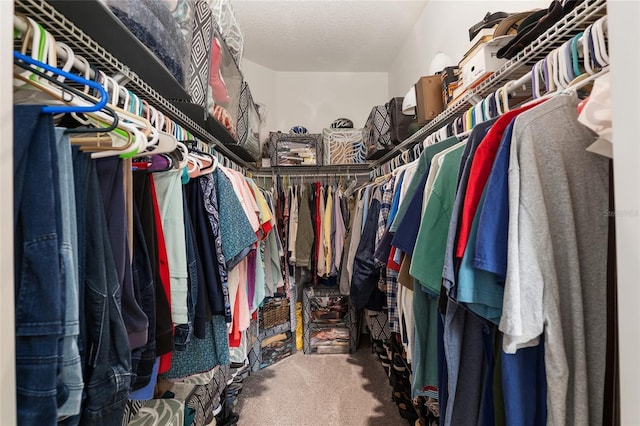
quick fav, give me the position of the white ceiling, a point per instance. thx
(325, 35)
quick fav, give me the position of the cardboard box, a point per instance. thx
(428, 98)
(483, 62)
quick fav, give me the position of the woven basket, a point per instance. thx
(274, 312)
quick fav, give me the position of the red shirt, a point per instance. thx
(480, 171)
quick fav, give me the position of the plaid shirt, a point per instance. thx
(392, 300)
(385, 208)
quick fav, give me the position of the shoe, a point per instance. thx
(407, 411)
(399, 364)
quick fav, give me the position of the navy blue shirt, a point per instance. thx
(493, 226)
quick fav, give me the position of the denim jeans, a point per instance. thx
(112, 188)
(39, 295)
(142, 359)
(72, 369)
(192, 269)
(104, 337)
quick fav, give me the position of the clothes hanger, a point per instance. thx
(67, 109)
(166, 141)
(101, 126)
(563, 70)
(575, 56)
(586, 55)
(602, 27)
(71, 90)
(597, 39)
(132, 104)
(504, 98)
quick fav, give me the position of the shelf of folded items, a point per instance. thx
(330, 324)
(272, 345)
(584, 14)
(74, 23)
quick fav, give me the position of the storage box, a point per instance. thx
(274, 311)
(330, 323)
(295, 150)
(484, 62)
(428, 98)
(343, 146)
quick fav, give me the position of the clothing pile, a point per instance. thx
(491, 255)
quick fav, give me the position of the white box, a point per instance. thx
(483, 62)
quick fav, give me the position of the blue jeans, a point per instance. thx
(181, 341)
(39, 295)
(142, 359)
(72, 369)
(110, 176)
(103, 336)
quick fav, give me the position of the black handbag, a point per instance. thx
(399, 122)
(376, 133)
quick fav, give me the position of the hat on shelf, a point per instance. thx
(298, 130)
(532, 29)
(342, 123)
(510, 24)
(409, 102)
(439, 62)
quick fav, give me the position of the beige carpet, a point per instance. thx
(319, 390)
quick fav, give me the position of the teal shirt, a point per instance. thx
(428, 254)
(479, 289)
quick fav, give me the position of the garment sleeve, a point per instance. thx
(530, 266)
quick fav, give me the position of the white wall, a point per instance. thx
(624, 37)
(315, 99)
(7, 360)
(443, 26)
(262, 82)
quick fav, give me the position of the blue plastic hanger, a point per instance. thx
(104, 97)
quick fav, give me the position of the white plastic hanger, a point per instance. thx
(586, 53)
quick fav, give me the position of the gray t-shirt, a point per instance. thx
(557, 247)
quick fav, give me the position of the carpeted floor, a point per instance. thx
(319, 390)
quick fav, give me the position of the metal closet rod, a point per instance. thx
(308, 175)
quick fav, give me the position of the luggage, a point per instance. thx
(377, 132)
(399, 122)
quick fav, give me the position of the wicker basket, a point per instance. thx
(274, 312)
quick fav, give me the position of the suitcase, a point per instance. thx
(399, 122)
(377, 132)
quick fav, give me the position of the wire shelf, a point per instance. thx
(66, 31)
(583, 15)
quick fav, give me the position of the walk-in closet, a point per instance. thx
(320, 212)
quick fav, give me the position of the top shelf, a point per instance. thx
(99, 23)
(584, 14)
(142, 81)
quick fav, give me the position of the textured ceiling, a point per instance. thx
(325, 35)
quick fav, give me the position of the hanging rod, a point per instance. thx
(305, 171)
